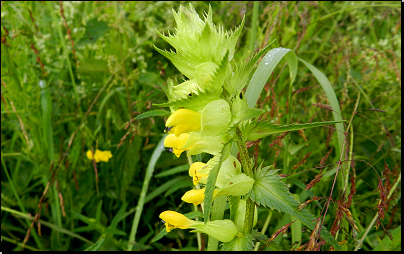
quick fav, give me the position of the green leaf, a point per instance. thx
(239, 80)
(258, 129)
(244, 243)
(241, 111)
(94, 30)
(332, 98)
(97, 245)
(390, 245)
(270, 191)
(210, 184)
(196, 102)
(151, 113)
(173, 171)
(264, 239)
(265, 69)
(163, 232)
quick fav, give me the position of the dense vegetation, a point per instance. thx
(75, 75)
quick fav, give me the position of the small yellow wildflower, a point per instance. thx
(193, 172)
(183, 120)
(195, 196)
(99, 155)
(177, 143)
(174, 219)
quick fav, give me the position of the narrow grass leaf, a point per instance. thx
(151, 113)
(332, 99)
(173, 171)
(149, 172)
(265, 69)
(96, 245)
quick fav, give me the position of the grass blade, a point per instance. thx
(332, 98)
(149, 172)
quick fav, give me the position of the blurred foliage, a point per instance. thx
(59, 101)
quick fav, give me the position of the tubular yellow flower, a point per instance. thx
(195, 196)
(173, 219)
(99, 155)
(193, 172)
(184, 120)
(177, 143)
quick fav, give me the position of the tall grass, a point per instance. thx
(55, 109)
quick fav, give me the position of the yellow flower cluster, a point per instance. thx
(99, 155)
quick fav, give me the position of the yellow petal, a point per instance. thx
(174, 219)
(193, 171)
(95, 156)
(103, 155)
(177, 143)
(194, 196)
(184, 120)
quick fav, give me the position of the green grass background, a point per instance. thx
(86, 97)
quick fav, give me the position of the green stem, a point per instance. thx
(65, 51)
(247, 167)
(198, 235)
(219, 205)
(359, 244)
(264, 228)
(254, 26)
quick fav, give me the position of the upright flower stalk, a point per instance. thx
(206, 112)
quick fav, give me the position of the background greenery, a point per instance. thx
(58, 102)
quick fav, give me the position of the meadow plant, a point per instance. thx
(209, 113)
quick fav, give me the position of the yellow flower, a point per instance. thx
(183, 120)
(177, 143)
(193, 172)
(173, 219)
(195, 196)
(99, 155)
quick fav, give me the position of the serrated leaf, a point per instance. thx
(264, 239)
(210, 184)
(259, 129)
(157, 112)
(241, 111)
(269, 191)
(196, 102)
(244, 243)
(241, 73)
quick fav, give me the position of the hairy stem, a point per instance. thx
(247, 167)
